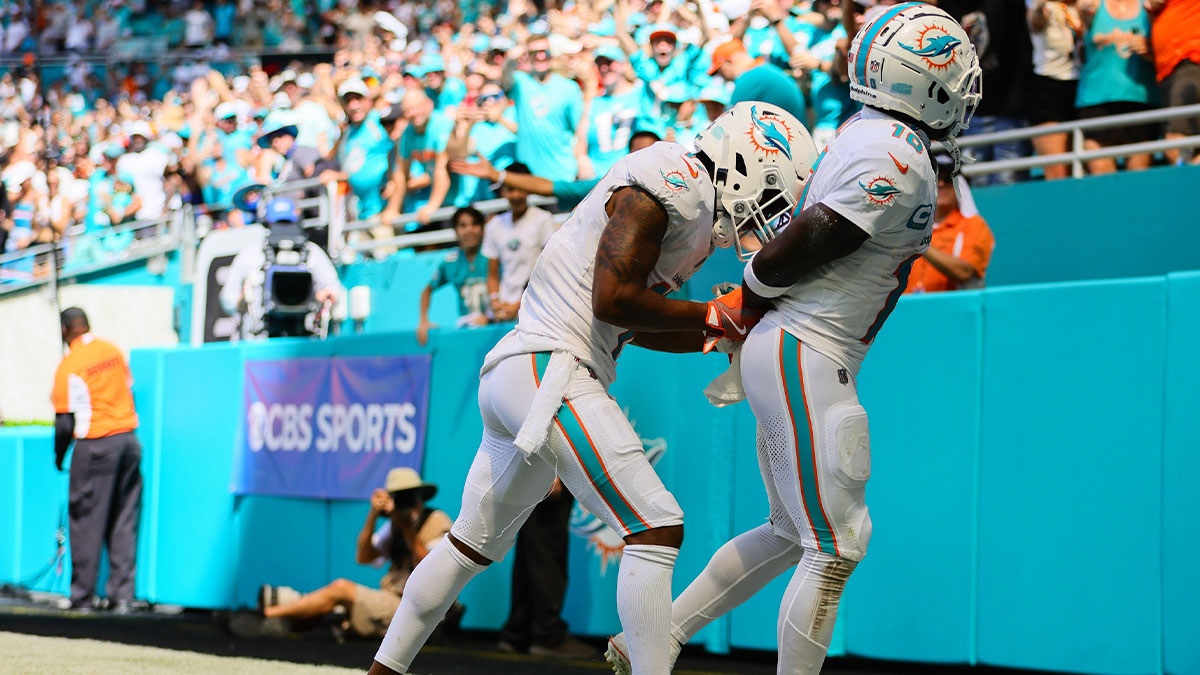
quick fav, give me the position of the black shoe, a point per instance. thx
(339, 622)
(81, 606)
(509, 647)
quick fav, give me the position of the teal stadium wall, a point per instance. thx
(1034, 453)
(1104, 227)
(1033, 448)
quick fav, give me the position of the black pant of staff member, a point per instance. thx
(93, 404)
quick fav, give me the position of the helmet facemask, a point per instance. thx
(739, 217)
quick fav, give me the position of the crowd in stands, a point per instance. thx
(415, 88)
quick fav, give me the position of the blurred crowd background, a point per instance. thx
(120, 111)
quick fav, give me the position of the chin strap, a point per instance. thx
(952, 148)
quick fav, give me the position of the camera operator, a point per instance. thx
(279, 286)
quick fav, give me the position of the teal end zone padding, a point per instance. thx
(912, 597)
(33, 496)
(1070, 537)
(284, 541)
(189, 404)
(1126, 224)
(1181, 467)
(396, 285)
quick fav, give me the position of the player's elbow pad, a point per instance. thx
(762, 290)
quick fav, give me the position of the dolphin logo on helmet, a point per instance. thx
(773, 138)
(760, 158)
(942, 45)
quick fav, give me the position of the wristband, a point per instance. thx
(759, 288)
(499, 180)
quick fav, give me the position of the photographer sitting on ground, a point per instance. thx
(412, 530)
(278, 285)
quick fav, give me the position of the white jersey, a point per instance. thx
(877, 173)
(517, 246)
(556, 310)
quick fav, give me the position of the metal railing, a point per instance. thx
(149, 240)
(1079, 156)
(443, 236)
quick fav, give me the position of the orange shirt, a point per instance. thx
(969, 239)
(1175, 36)
(93, 382)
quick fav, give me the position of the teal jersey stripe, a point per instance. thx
(811, 176)
(860, 65)
(589, 456)
(793, 385)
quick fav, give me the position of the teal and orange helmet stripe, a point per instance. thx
(864, 49)
(573, 430)
(792, 374)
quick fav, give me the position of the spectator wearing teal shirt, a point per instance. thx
(224, 14)
(218, 172)
(774, 32)
(445, 92)
(616, 113)
(235, 143)
(423, 142)
(485, 130)
(669, 62)
(549, 111)
(464, 268)
(364, 150)
(754, 80)
(1117, 78)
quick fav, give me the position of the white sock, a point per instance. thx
(809, 611)
(428, 594)
(738, 570)
(644, 605)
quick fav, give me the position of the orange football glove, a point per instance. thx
(727, 318)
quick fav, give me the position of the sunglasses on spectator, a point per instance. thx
(490, 98)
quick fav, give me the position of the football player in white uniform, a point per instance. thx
(830, 279)
(600, 283)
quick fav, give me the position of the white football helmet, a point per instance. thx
(916, 60)
(760, 156)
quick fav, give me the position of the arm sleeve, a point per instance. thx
(573, 191)
(64, 433)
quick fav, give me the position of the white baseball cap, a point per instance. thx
(353, 85)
